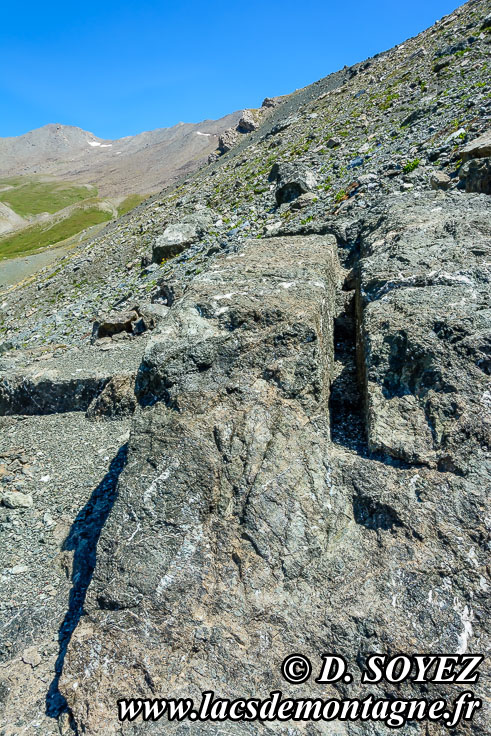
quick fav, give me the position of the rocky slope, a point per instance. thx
(252, 417)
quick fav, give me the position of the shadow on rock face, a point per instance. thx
(83, 539)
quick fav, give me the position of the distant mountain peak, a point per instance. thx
(141, 163)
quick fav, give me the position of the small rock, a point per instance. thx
(413, 117)
(272, 228)
(304, 201)
(441, 65)
(48, 519)
(439, 180)
(456, 134)
(31, 656)
(64, 725)
(333, 143)
(17, 500)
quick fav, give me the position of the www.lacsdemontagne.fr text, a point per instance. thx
(393, 713)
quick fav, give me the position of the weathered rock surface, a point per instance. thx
(117, 399)
(425, 328)
(307, 423)
(241, 397)
(238, 517)
(227, 140)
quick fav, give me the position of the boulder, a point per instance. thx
(174, 240)
(113, 323)
(227, 140)
(184, 477)
(247, 122)
(133, 321)
(292, 181)
(478, 148)
(422, 328)
(17, 500)
(270, 102)
(179, 236)
(476, 175)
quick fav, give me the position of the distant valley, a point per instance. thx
(60, 184)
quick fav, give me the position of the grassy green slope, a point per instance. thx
(28, 196)
(42, 235)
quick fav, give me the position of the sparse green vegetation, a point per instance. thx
(389, 99)
(411, 165)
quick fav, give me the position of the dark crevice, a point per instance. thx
(82, 539)
(346, 403)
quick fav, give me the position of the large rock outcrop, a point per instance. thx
(236, 398)
(249, 526)
(297, 458)
(424, 328)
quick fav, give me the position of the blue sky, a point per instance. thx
(117, 68)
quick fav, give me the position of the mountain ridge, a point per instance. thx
(116, 166)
